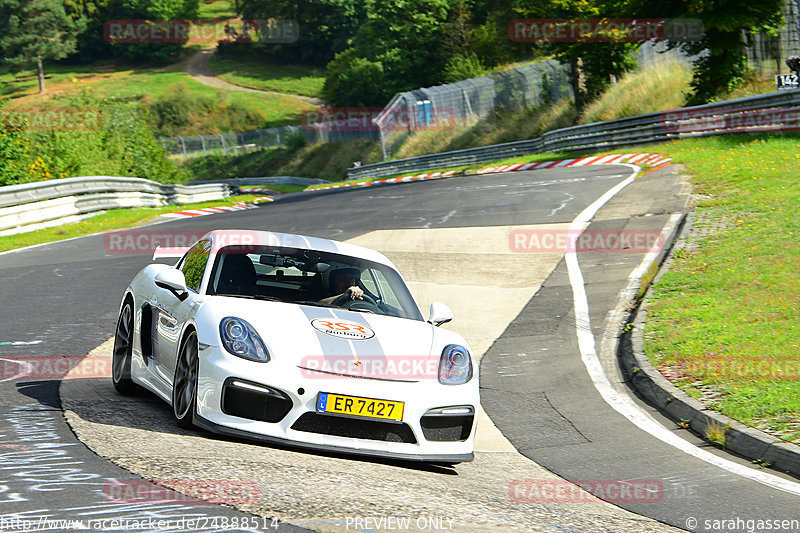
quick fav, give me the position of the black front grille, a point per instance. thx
(446, 428)
(353, 428)
(269, 405)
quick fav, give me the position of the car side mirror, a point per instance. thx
(174, 281)
(439, 314)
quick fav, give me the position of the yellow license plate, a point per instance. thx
(338, 404)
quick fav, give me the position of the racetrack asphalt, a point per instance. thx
(533, 385)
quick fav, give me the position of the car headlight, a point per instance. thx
(240, 339)
(455, 365)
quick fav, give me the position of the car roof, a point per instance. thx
(236, 237)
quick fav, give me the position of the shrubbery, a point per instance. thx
(175, 112)
(121, 145)
(17, 165)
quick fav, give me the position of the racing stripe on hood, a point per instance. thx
(330, 345)
(343, 354)
(367, 347)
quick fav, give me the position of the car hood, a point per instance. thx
(336, 341)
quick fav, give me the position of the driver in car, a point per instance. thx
(344, 281)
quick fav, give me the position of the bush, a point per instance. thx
(178, 110)
(296, 140)
(352, 80)
(121, 145)
(17, 164)
(460, 68)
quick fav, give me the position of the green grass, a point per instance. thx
(148, 84)
(330, 161)
(289, 79)
(662, 86)
(726, 317)
(500, 126)
(215, 9)
(113, 219)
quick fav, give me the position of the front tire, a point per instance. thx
(184, 386)
(123, 351)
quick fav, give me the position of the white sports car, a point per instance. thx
(298, 340)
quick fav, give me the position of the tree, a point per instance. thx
(92, 44)
(592, 63)
(150, 10)
(723, 64)
(325, 27)
(355, 81)
(35, 31)
(402, 44)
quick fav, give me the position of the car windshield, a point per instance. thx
(311, 277)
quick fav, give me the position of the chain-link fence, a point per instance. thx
(466, 101)
(656, 53)
(231, 143)
(244, 141)
(767, 54)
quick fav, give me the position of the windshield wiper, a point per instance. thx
(251, 296)
(316, 304)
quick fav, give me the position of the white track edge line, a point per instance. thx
(622, 403)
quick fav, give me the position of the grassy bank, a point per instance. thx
(658, 88)
(330, 161)
(724, 323)
(211, 110)
(290, 79)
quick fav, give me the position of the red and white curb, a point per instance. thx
(645, 159)
(209, 211)
(654, 160)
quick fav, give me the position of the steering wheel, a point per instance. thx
(345, 302)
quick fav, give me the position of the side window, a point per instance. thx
(194, 264)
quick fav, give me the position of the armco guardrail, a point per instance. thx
(272, 180)
(754, 113)
(31, 206)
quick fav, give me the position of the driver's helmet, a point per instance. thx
(346, 271)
